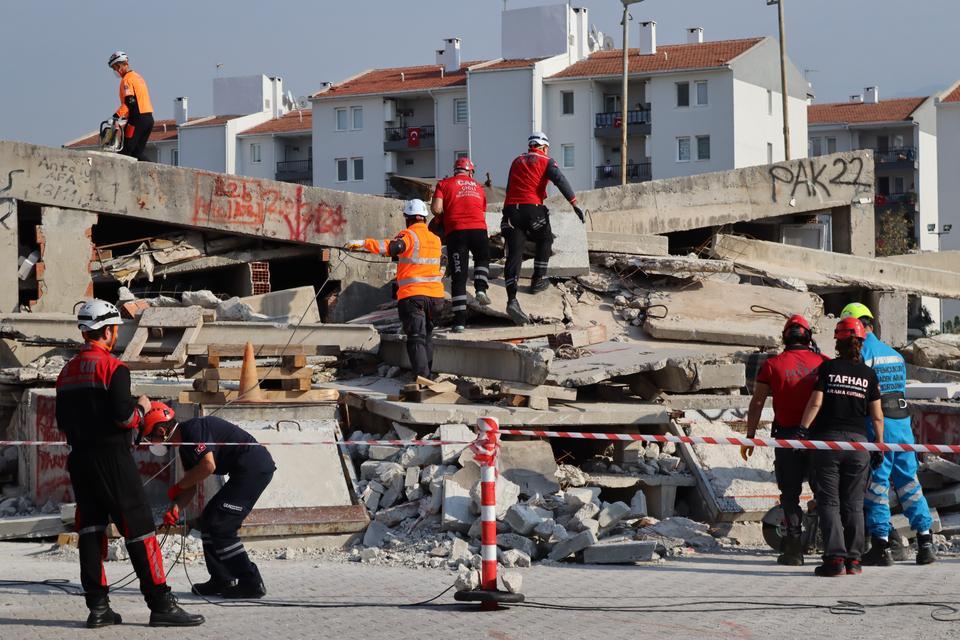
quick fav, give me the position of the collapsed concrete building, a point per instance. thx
(663, 307)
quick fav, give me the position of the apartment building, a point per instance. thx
(697, 106)
(947, 231)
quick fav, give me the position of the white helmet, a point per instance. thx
(538, 139)
(95, 314)
(415, 207)
(117, 57)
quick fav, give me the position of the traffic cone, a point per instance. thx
(249, 383)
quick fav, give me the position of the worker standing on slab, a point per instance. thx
(419, 282)
(135, 108)
(789, 378)
(461, 206)
(99, 417)
(525, 217)
(899, 467)
(845, 397)
(218, 448)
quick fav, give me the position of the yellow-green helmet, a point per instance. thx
(856, 310)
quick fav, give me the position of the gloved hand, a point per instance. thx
(353, 245)
(876, 459)
(577, 210)
(746, 452)
(372, 246)
(174, 491)
(172, 515)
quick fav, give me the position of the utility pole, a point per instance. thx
(783, 77)
(624, 103)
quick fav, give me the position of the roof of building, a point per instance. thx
(211, 121)
(862, 112)
(300, 120)
(162, 130)
(396, 79)
(516, 63)
(670, 57)
(953, 96)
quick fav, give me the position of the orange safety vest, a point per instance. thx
(133, 84)
(418, 268)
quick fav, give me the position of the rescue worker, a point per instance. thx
(845, 397)
(99, 418)
(899, 467)
(250, 467)
(789, 377)
(135, 109)
(525, 217)
(461, 205)
(419, 282)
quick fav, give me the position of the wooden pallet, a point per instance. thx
(291, 378)
(186, 322)
(269, 396)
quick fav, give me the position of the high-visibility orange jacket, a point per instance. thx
(418, 268)
(134, 97)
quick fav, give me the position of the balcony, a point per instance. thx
(407, 138)
(883, 202)
(608, 175)
(899, 158)
(607, 125)
(295, 171)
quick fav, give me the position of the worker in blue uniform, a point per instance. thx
(899, 468)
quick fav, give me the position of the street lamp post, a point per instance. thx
(623, 100)
(783, 77)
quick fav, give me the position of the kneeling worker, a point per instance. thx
(419, 282)
(250, 467)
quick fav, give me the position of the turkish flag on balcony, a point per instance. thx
(413, 137)
(617, 122)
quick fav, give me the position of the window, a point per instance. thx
(175, 157)
(769, 153)
(254, 153)
(898, 141)
(611, 103)
(356, 114)
(357, 169)
(459, 110)
(683, 94)
(815, 147)
(341, 119)
(461, 154)
(831, 145)
(703, 147)
(683, 149)
(898, 184)
(266, 104)
(769, 102)
(702, 97)
(341, 169)
(567, 155)
(566, 103)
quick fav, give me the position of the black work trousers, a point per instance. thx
(107, 487)
(135, 145)
(417, 315)
(460, 245)
(220, 522)
(522, 222)
(840, 479)
(790, 467)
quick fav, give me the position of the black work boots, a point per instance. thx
(101, 615)
(926, 552)
(516, 313)
(245, 591)
(211, 587)
(165, 612)
(879, 554)
(831, 568)
(792, 555)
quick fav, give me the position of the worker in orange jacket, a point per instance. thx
(419, 282)
(135, 109)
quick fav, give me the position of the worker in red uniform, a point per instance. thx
(525, 217)
(461, 205)
(135, 108)
(419, 282)
(100, 417)
(790, 378)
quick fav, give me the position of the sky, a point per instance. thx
(57, 87)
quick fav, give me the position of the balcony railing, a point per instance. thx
(608, 175)
(400, 138)
(295, 170)
(898, 155)
(613, 118)
(886, 201)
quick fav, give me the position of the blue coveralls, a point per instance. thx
(899, 467)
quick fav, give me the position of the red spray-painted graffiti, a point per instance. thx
(251, 205)
(937, 427)
(52, 480)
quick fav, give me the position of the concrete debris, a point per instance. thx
(512, 581)
(580, 496)
(693, 534)
(523, 519)
(612, 514)
(570, 476)
(467, 579)
(572, 545)
(620, 552)
(942, 352)
(514, 558)
(375, 534)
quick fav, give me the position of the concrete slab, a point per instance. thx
(511, 333)
(620, 553)
(530, 465)
(933, 390)
(544, 307)
(721, 312)
(569, 245)
(295, 304)
(42, 526)
(64, 276)
(688, 376)
(635, 245)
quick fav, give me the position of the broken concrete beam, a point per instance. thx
(538, 391)
(43, 526)
(675, 266)
(648, 245)
(484, 334)
(828, 269)
(572, 545)
(686, 376)
(943, 467)
(579, 337)
(946, 497)
(939, 260)
(620, 553)
(491, 360)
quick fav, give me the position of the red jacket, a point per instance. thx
(464, 203)
(791, 377)
(529, 175)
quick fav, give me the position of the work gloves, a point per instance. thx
(174, 491)
(577, 210)
(876, 459)
(172, 516)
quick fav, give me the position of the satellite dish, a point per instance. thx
(303, 102)
(288, 102)
(608, 44)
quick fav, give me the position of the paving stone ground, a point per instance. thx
(741, 579)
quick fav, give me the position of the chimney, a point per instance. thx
(180, 111)
(449, 56)
(695, 35)
(648, 38)
(871, 95)
(276, 89)
(857, 97)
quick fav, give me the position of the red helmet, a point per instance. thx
(849, 328)
(796, 320)
(463, 164)
(159, 414)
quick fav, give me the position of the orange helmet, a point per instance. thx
(849, 328)
(159, 414)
